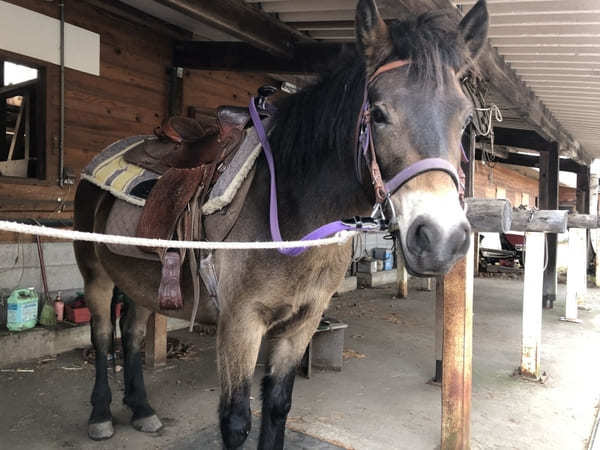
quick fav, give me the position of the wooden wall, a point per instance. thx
(487, 181)
(129, 97)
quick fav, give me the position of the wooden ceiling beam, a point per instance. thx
(307, 58)
(242, 21)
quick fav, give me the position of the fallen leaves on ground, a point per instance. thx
(353, 354)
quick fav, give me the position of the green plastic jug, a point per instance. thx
(22, 309)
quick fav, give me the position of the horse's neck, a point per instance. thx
(332, 193)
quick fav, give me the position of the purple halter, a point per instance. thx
(366, 151)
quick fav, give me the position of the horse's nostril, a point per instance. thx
(422, 236)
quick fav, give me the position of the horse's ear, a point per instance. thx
(474, 29)
(372, 35)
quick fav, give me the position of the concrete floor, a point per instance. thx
(379, 401)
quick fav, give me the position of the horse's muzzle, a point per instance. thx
(432, 250)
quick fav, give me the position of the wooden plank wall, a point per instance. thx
(129, 97)
(515, 183)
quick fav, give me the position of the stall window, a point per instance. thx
(21, 120)
(525, 199)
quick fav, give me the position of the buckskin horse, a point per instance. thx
(399, 91)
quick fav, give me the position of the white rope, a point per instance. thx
(71, 235)
(493, 112)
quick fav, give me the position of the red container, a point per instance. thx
(77, 312)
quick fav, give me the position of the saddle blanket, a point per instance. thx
(109, 171)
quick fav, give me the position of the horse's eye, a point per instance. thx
(378, 115)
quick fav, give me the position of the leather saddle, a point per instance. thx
(188, 155)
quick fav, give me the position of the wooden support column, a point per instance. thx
(583, 207)
(583, 190)
(548, 199)
(3, 143)
(594, 232)
(470, 189)
(439, 328)
(532, 305)
(575, 273)
(457, 293)
(156, 340)
(175, 91)
(402, 273)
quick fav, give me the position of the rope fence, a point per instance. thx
(72, 235)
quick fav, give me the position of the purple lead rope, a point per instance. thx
(319, 233)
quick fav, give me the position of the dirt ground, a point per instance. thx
(379, 401)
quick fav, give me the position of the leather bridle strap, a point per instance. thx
(366, 149)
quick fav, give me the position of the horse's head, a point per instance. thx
(419, 111)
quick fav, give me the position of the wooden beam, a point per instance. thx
(515, 159)
(489, 214)
(306, 58)
(587, 221)
(526, 139)
(243, 21)
(544, 221)
(125, 12)
(457, 292)
(156, 341)
(548, 199)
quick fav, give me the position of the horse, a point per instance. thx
(403, 78)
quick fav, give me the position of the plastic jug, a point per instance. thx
(22, 309)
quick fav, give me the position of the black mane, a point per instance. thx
(321, 119)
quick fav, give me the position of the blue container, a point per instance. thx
(22, 309)
(388, 263)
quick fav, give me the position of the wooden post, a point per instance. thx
(402, 273)
(3, 116)
(583, 207)
(548, 199)
(532, 305)
(470, 191)
(156, 340)
(439, 328)
(577, 246)
(175, 106)
(457, 295)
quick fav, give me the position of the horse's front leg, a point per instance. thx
(133, 329)
(278, 384)
(239, 335)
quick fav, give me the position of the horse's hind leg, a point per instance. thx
(133, 329)
(278, 384)
(239, 335)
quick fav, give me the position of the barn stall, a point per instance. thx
(131, 64)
